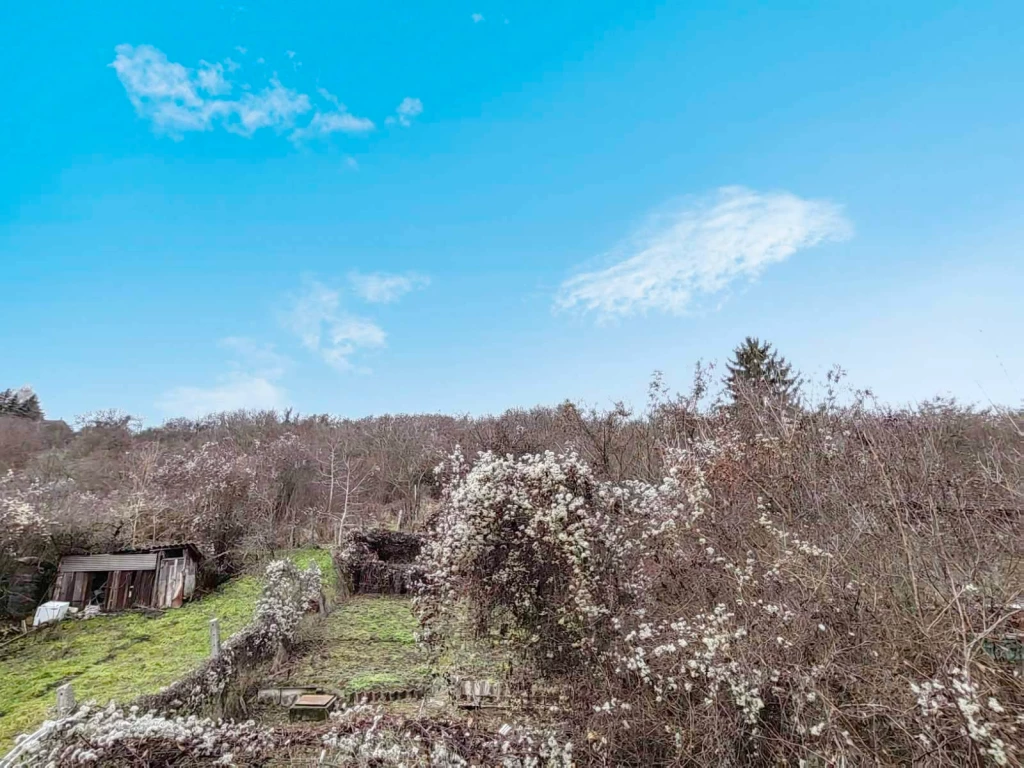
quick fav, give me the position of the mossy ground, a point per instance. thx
(119, 657)
(366, 643)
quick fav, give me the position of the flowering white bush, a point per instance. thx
(358, 736)
(113, 736)
(957, 706)
(29, 509)
(362, 736)
(657, 605)
(19, 520)
(533, 542)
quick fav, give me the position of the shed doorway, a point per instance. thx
(97, 590)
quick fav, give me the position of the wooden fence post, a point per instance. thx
(214, 638)
(65, 700)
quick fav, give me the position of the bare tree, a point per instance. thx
(343, 473)
(140, 473)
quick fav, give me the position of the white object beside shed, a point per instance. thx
(53, 610)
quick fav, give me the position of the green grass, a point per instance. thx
(303, 557)
(463, 655)
(113, 657)
(365, 644)
(121, 656)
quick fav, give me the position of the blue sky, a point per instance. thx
(466, 206)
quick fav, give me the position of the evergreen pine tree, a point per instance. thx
(756, 365)
(23, 403)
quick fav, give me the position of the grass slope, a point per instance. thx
(119, 657)
(365, 644)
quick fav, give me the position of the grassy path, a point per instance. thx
(366, 643)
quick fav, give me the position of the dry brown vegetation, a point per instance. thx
(854, 570)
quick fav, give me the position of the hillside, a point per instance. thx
(118, 657)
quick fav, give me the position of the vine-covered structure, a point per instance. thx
(380, 562)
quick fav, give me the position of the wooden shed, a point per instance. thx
(159, 577)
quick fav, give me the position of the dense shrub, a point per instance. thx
(359, 736)
(379, 561)
(800, 587)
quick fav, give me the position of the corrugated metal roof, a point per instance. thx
(161, 546)
(79, 563)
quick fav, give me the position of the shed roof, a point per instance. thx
(123, 560)
(145, 561)
(161, 546)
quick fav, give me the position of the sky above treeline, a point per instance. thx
(364, 208)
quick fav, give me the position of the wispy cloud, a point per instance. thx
(233, 392)
(346, 336)
(316, 317)
(339, 119)
(326, 123)
(383, 288)
(251, 384)
(177, 99)
(210, 78)
(406, 111)
(699, 248)
(477, 18)
(255, 357)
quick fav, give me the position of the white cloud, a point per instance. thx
(325, 123)
(272, 107)
(241, 49)
(338, 119)
(256, 357)
(211, 78)
(699, 248)
(177, 99)
(351, 163)
(251, 384)
(348, 335)
(317, 319)
(477, 18)
(382, 288)
(328, 96)
(233, 392)
(408, 109)
(309, 311)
